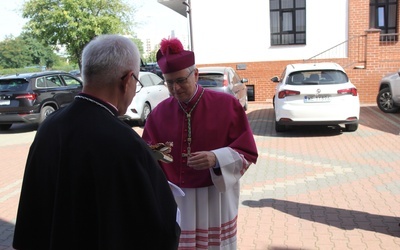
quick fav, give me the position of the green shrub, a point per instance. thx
(65, 68)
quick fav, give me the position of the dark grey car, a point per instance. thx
(224, 79)
(31, 97)
(388, 98)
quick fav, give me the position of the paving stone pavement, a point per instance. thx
(322, 188)
(312, 187)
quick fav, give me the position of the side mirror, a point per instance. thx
(244, 80)
(275, 79)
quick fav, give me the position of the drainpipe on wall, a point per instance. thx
(189, 11)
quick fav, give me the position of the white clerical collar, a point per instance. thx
(197, 88)
(112, 105)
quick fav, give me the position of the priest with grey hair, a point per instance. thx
(90, 181)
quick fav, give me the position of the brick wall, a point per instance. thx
(375, 58)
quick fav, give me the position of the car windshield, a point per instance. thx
(317, 77)
(12, 85)
(211, 79)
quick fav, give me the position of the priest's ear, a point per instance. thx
(126, 80)
(196, 74)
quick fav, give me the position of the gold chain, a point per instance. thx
(93, 101)
(188, 116)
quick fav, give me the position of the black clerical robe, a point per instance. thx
(91, 183)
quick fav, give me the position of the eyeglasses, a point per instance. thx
(139, 84)
(179, 81)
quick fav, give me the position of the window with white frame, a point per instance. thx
(288, 22)
(383, 15)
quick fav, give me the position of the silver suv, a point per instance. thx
(31, 97)
(388, 99)
(224, 79)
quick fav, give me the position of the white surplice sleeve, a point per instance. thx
(232, 164)
(177, 192)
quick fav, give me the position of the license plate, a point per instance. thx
(319, 98)
(4, 102)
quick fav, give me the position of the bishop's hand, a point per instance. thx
(202, 160)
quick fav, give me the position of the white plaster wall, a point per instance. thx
(239, 31)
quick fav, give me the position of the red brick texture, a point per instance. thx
(365, 49)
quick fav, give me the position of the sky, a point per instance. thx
(11, 21)
(155, 20)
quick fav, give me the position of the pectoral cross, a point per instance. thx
(188, 153)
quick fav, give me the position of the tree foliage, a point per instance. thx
(13, 53)
(152, 55)
(24, 51)
(74, 23)
(39, 53)
(138, 43)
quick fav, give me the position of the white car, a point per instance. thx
(149, 96)
(315, 94)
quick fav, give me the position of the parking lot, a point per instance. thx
(312, 187)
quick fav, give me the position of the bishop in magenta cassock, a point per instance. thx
(213, 146)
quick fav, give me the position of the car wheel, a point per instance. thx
(279, 127)
(385, 101)
(45, 112)
(5, 126)
(146, 112)
(351, 127)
